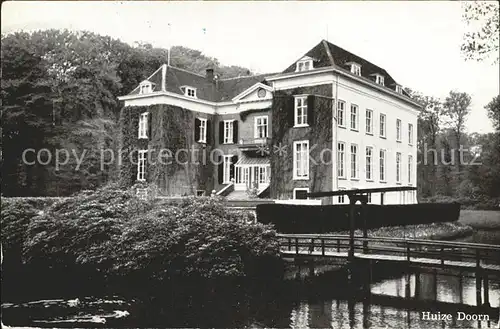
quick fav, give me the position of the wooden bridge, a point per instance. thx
(482, 259)
(459, 255)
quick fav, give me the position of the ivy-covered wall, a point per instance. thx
(319, 135)
(176, 164)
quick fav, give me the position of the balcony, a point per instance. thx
(253, 144)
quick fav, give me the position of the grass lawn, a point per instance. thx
(481, 219)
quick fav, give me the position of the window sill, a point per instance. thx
(228, 143)
(383, 182)
(353, 129)
(342, 178)
(410, 144)
(398, 183)
(398, 141)
(202, 142)
(383, 137)
(369, 180)
(301, 126)
(143, 137)
(300, 178)
(371, 134)
(355, 179)
(141, 180)
(343, 127)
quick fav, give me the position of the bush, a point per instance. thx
(477, 202)
(119, 235)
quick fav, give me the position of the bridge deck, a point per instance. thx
(393, 258)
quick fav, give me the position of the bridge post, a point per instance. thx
(486, 292)
(352, 201)
(364, 201)
(478, 288)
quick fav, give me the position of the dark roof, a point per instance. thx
(327, 54)
(215, 91)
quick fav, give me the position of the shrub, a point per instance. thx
(119, 235)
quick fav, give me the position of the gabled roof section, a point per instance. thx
(318, 54)
(250, 90)
(327, 54)
(217, 90)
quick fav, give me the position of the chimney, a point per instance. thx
(210, 74)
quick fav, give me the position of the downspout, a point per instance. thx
(335, 179)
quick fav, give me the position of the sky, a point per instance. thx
(417, 42)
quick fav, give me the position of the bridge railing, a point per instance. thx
(411, 249)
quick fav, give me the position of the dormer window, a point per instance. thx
(379, 79)
(189, 91)
(355, 68)
(145, 87)
(305, 64)
(399, 89)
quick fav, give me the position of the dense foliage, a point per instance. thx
(117, 234)
(59, 91)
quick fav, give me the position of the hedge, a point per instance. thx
(325, 219)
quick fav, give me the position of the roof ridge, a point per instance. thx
(246, 76)
(187, 71)
(350, 52)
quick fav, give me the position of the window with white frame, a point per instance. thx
(300, 111)
(143, 125)
(354, 117)
(190, 91)
(341, 113)
(410, 171)
(398, 167)
(263, 174)
(369, 162)
(301, 160)
(203, 130)
(226, 166)
(356, 69)
(261, 127)
(399, 89)
(354, 161)
(382, 157)
(145, 87)
(304, 65)
(341, 198)
(141, 165)
(382, 125)
(410, 134)
(228, 131)
(379, 79)
(341, 159)
(300, 193)
(398, 130)
(369, 121)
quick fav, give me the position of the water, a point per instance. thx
(324, 300)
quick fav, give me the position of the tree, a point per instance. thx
(481, 41)
(493, 109)
(457, 108)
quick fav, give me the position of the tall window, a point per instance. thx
(398, 167)
(354, 117)
(341, 198)
(141, 166)
(261, 129)
(398, 130)
(143, 125)
(382, 165)
(354, 161)
(341, 159)
(203, 130)
(228, 131)
(301, 111)
(410, 166)
(410, 134)
(369, 158)
(226, 174)
(341, 113)
(301, 160)
(369, 121)
(382, 125)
